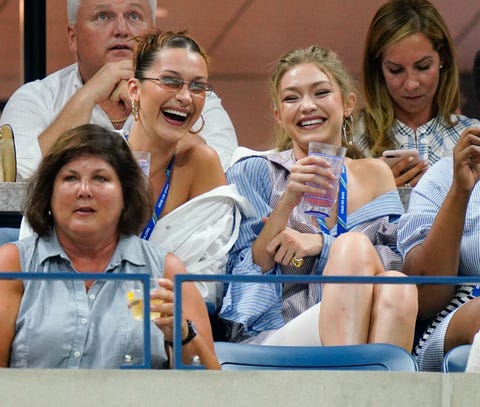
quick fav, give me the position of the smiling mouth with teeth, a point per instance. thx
(175, 115)
(310, 122)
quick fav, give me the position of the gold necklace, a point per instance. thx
(118, 121)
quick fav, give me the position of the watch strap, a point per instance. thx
(192, 333)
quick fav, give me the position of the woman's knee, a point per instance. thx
(353, 253)
(351, 241)
(401, 299)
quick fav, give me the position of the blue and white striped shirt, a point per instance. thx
(425, 202)
(262, 180)
(433, 140)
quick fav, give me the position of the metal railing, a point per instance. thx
(182, 278)
(280, 279)
(144, 278)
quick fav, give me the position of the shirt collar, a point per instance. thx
(427, 127)
(285, 158)
(78, 81)
(128, 250)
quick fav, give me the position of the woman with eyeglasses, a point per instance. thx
(194, 209)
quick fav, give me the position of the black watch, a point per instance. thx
(192, 333)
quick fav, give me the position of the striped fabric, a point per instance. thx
(425, 202)
(257, 308)
(429, 350)
(433, 140)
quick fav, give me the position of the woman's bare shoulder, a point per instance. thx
(198, 154)
(375, 173)
(199, 167)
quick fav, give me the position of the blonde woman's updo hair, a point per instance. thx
(327, 62)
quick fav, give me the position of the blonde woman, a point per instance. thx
(314, 100)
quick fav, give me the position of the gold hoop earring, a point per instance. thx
(135, 107)
(201, 127)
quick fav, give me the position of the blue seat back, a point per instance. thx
(383, 357)
(456, 359)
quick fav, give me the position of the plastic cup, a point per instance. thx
(322, 204)
(135, 298)
(143, 160)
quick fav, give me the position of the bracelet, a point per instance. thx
(192, 333)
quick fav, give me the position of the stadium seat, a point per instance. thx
(384, 357)
(456, 359)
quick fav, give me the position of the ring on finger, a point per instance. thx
(296, 262)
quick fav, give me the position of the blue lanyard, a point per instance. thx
(162, 198)
(342, 207)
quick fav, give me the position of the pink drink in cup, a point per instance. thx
(321, 204)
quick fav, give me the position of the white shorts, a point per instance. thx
(303, 330)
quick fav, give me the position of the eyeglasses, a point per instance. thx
(174, 84)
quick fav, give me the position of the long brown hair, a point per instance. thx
(392, 22)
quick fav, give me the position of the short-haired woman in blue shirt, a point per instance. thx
(86, 203)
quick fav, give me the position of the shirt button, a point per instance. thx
(83, 321)
(92, 297)
(76, 354)
(424, 141)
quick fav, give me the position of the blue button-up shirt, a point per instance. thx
(61, 325)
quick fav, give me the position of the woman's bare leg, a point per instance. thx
(463, 326)
(345, 316)
(394, 313)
